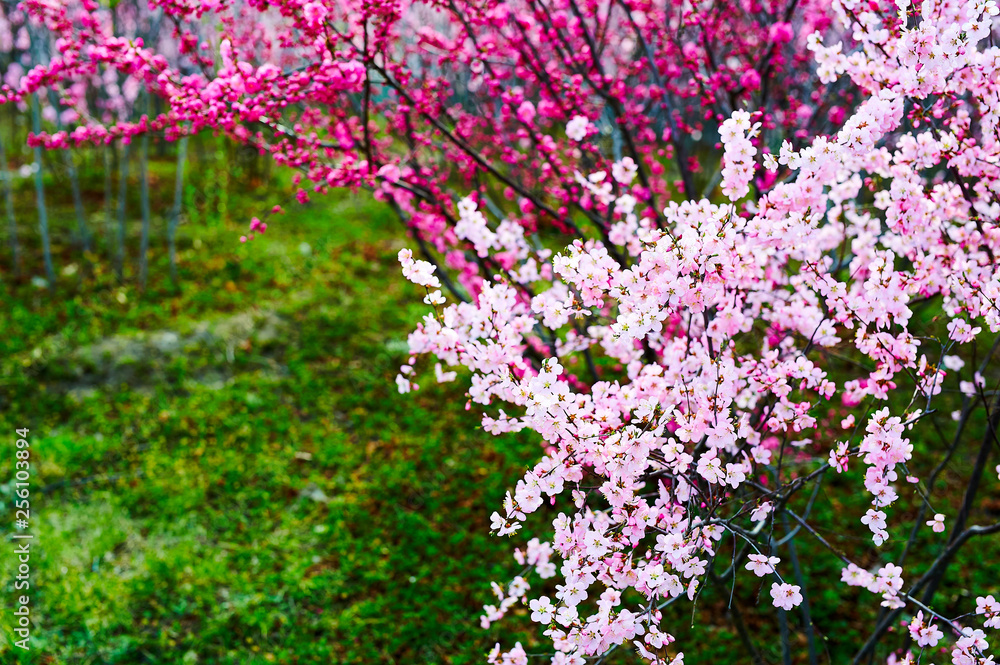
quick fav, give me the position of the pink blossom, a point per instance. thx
(937, 524)
(761, 565)
(786, 596)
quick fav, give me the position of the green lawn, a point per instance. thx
(225, 473)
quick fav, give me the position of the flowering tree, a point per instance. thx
(72, 95)
(697, 458)
(420, 102)
(702, 350)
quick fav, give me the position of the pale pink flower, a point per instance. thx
(937, 524)
(761, 565)
(786, 596)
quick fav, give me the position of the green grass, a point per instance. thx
(223, 471)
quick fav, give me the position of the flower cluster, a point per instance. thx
(738, 170)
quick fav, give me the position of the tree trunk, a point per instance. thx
(11, 222)
(175, 214)
(43, 218)
(144, 204)
(74, 182)
(108, 193)
(122, 191)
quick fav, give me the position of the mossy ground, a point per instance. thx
(223, 470)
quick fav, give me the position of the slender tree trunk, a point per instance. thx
(144, 204)
(36, 126)
(108, 194)
(11, 222)
(74, 183)
(175, 214)
(43, 218)
(81, 217)
(122, 192)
